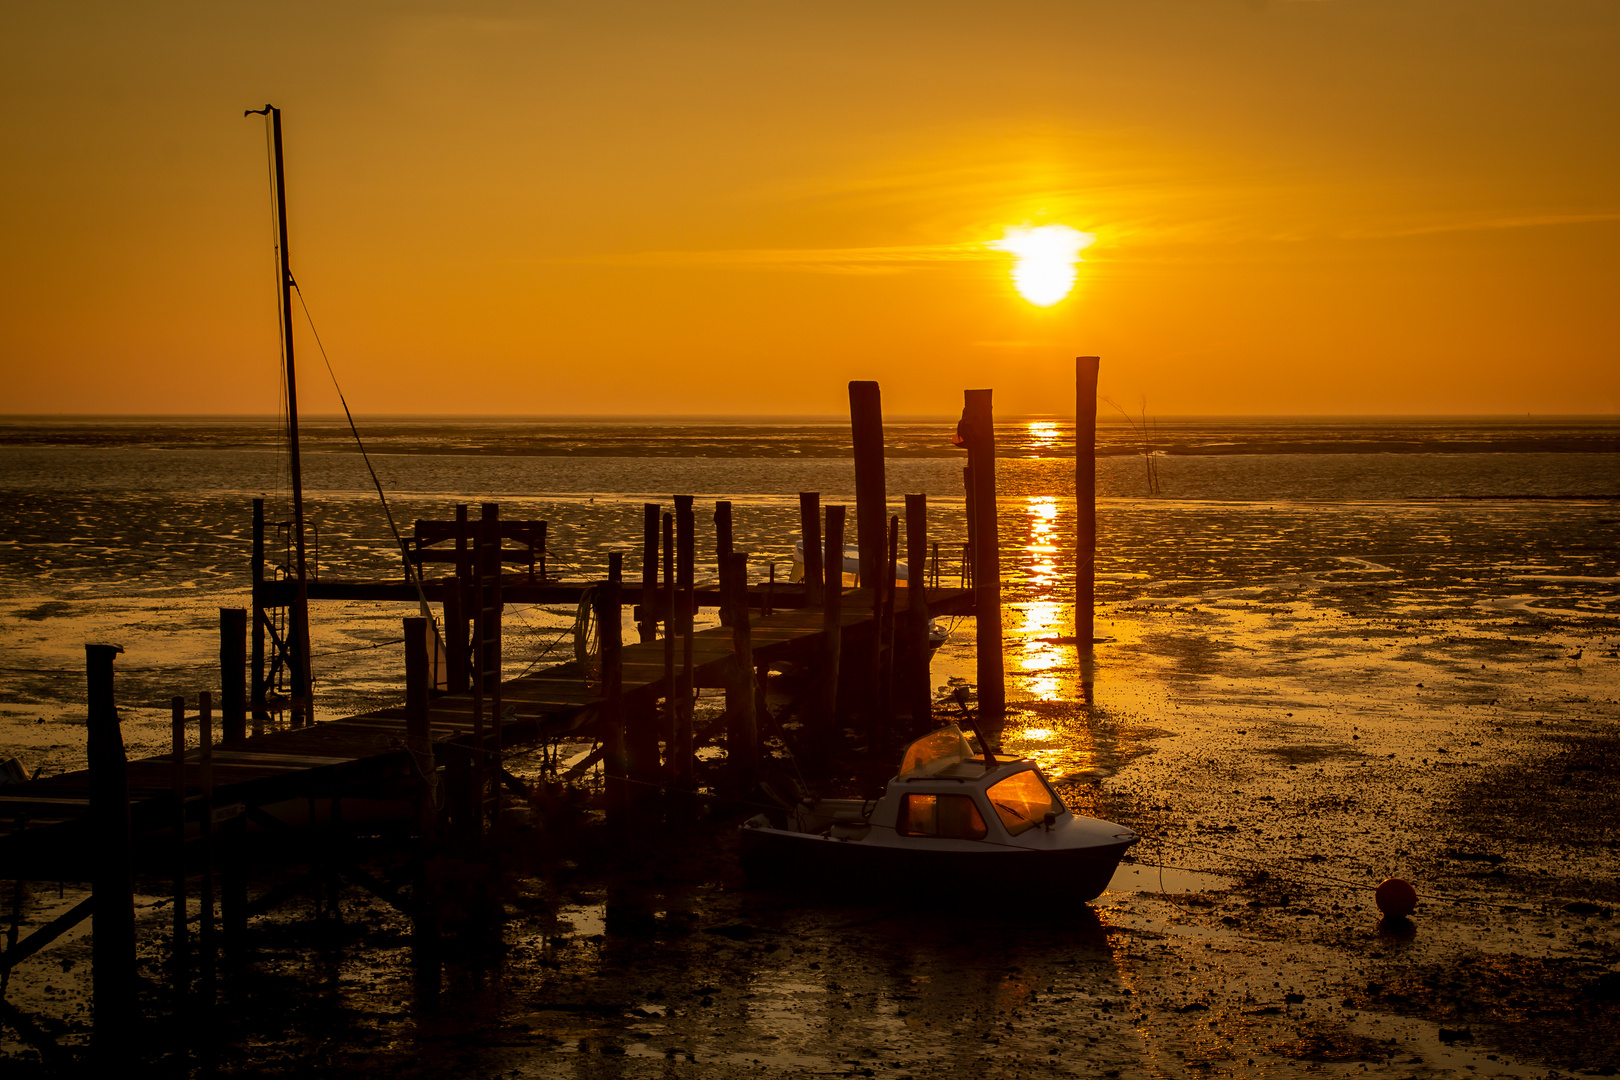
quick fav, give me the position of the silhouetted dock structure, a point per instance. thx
(431, 774)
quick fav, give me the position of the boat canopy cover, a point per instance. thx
(936, 752)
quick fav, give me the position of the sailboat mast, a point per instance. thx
(302, 704)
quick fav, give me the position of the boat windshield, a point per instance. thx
(1023, 800)
(935, 752)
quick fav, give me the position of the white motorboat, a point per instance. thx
(949, 819)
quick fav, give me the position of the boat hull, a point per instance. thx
(1080, 873)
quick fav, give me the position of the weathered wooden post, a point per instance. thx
(685, 571)
(455, 635)
(866, 425)
(882, 727)
(671, 724)
(832, 632)
(722, 551)
(980, 422)
(742, 726)
(233, 673)
(261, 684)
(112, 941)
(177, 776)
(919, 691)
(647, 624)
(608, 621)
(1085, 503)
(418, 725)
(207, 946)
(972, 528)
(810, 533)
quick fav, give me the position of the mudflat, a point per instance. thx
(1429, 693)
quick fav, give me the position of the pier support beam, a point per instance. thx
(112, 941)
(918, 690)
(810, 535)
(979, 424)
(828, 728)
(233, 673)
(1085, 508)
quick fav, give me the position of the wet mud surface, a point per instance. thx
(1425, 694)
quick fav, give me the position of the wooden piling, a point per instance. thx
(1085, 501)
(742, 729)
(866, 425)
(455, 635)
(206, 943)
(980, 422)
(261, 684)
(418, 729)
(233, 673)
(918, 686)
(647, 624)
(177, 775)
(810, 535)
(671, 723)
(972, 527)
(722, 550)
(832, 621)
(112, 941)
(610, 635)
(883, 726)
(685, 572)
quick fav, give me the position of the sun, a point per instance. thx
(1044, 258)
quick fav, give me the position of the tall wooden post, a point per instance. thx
(832, 633)
(722, 550)
(233, 673)
(609, 627)
(207, 947)
(261, 684)
(866, 424)
(685, 572)
(810, 534)
(981, 428)
(647, 625)
(418, 726)
(177, 778)
(671, 724)
(919, 690)
(490, 663)
(1085, 501)
(112, 941)
(455, 635)
(742, 728)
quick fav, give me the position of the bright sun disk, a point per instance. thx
(1044, 258)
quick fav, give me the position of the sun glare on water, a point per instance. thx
(1044, 258)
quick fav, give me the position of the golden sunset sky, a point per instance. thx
(1332, 207)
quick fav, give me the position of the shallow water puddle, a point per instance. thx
(1139, 877)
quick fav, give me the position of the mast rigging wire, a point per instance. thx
(412, 574)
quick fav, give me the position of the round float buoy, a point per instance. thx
(1396, 898)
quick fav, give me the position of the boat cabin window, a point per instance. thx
(951, 817)
(1023, 800)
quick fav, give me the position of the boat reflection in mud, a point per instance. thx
(949, 819)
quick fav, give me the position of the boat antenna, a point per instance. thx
(302, 698)
(961, 696)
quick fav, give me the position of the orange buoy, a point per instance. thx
(1396, 898)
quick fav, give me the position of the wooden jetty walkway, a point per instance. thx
(46, 822)
(430, 774)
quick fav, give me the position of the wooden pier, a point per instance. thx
(430, 776)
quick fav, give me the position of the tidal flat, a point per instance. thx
(1295, 702)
